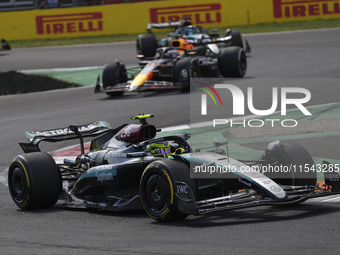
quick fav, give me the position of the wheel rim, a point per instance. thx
(18, 185)
(156, 193)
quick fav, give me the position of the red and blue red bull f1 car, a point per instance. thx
(172, 67)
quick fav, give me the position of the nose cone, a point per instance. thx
(140, 79)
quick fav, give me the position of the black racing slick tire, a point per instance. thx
(34, 181)
(113, 74)
(233, 62)
(236, 38)
(158, 189)
(185, 69)
(146, 45)
(300, 167)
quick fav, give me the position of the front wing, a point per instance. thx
(147, 86)
(247, 198)
(108, 203)
(187, 204)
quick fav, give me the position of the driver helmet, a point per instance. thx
(173, 54)
(162, 149)
(189, 30)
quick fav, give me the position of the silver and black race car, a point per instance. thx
(147, 44)
(129, 168)
(172, 67)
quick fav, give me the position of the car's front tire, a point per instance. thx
(158, 188)
(185, 69)
(113, 74)
(299, 164)
(236, 39)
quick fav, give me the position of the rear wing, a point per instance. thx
(203, 41)
(163, 25)
(60, 134)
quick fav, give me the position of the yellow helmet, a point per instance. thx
(162, 149)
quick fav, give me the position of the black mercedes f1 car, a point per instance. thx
(172, 67)
(147, 44)
(129, 168)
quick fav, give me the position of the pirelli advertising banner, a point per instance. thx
(133, 17)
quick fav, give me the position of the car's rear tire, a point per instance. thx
(233, 62)
(113, 74)
(34, 181)
(185, 69)
(298, 160)
(158, 188)
(146, 45)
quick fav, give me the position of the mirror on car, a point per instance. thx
(73, 128)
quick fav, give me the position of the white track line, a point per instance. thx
(75, 46)
(292, 31)
(130, 42)
(62, 69)
(332, 199)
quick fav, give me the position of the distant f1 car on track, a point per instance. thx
(172, 67)
(129, 168)
(5, 45)
(147, 44)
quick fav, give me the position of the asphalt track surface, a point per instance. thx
(309, 57)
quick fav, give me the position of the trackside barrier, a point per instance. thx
(133, 17)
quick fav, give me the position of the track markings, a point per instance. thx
(3, 177)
